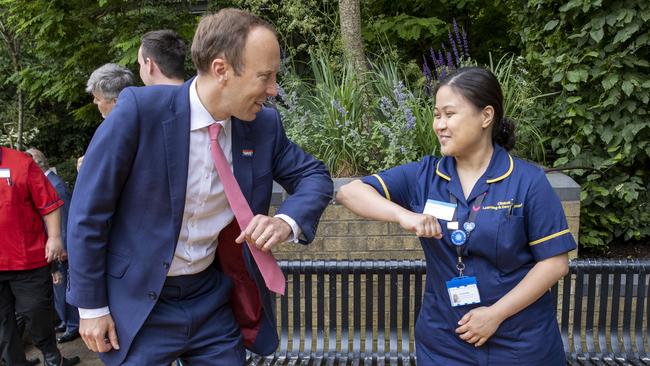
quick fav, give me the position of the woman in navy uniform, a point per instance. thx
(493, 232)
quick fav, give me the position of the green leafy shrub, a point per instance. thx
(596, 54)
(303, 25)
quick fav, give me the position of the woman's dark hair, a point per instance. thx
(481, 88)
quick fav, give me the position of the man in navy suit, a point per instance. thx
(156, 262)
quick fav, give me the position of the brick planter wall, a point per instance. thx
(344, 235)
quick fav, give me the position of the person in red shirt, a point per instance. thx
(30, 223)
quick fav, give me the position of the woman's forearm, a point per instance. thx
(364, 201)
(539, 279)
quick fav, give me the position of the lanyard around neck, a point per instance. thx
(460, 237)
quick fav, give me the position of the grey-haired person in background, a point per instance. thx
(105, 84)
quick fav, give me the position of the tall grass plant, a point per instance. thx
(361, 123)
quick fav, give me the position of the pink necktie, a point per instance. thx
(271, 272)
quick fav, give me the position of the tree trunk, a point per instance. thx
(350, 14)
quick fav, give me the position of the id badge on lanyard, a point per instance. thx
(463, 290)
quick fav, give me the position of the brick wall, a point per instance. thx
(344, 235)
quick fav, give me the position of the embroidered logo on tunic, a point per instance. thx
(503, 206)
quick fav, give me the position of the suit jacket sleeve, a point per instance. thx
(306, 179)
(97, 192)
(64, 194)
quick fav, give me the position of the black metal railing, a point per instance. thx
(363, 312)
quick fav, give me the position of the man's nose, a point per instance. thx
(272, 90)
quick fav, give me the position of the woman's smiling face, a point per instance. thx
(459, 125)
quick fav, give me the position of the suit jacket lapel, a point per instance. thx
(176, 131)
(242, 159)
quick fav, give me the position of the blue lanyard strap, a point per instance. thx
(463, 235)
(473, 211)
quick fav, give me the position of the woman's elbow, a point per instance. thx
(564, 270)
(556, 267)
(343, 193)
(346, 191)
(562, 265)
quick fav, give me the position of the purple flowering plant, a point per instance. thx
(404, 112)
(439, 64)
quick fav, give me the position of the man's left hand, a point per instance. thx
(57, 277)
(265, 232)
(53, 249)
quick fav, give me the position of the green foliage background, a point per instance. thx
(596, 54)
(578, 74)
(62, 42)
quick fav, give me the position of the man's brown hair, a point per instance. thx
(223, 34)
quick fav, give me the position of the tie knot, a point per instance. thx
(214, 130)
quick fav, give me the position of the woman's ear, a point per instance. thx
(487, 115)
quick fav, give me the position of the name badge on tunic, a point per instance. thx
(463, 291)
(439, 209)
(5, 173)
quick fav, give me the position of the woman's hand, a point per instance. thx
(425, 226)
(478, 325)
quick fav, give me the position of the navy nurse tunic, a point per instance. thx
(519, 223)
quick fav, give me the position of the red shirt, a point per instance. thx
(26, 196)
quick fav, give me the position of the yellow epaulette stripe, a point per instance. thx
(439, 173)
(383, 185)
(534, 242)
(512, 164)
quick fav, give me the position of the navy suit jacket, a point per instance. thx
(64, 194)
(62, 190)
(128, 202)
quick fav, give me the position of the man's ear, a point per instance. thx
(487, 115)
(151, 65)
(219, 69)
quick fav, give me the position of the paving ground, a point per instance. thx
(70, 349)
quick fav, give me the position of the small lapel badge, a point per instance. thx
(247, 153)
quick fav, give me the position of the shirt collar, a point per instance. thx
(49, 171)
(199, 115)
(500, 167)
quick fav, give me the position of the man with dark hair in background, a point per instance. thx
(162, 58)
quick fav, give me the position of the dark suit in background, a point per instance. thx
(68, 314)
